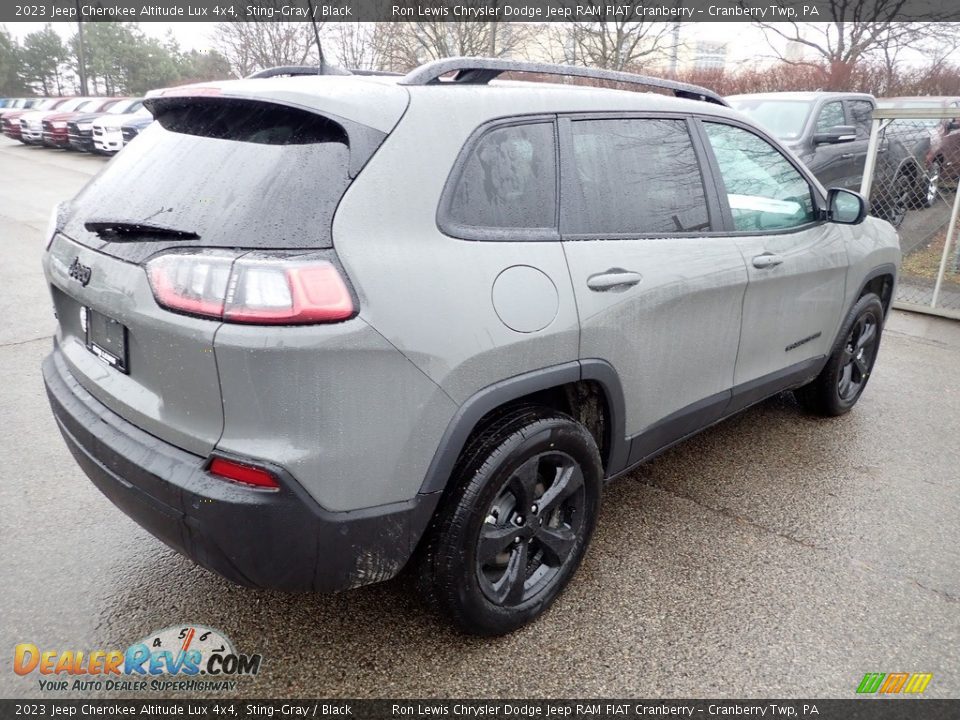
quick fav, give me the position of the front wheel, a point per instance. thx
(893, 207)
(843, 379)
(512, 533)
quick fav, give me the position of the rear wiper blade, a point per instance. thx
(120, 231)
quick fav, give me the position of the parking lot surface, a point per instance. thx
(774, 555)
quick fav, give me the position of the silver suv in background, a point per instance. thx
(315, 328)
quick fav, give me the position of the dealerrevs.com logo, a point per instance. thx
(187, 658)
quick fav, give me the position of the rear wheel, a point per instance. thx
(896, 204)
(841, 382)
(933, 184)
(512, 533)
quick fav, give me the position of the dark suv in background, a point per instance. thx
(830, 131)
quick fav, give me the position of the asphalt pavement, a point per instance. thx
(775, 555)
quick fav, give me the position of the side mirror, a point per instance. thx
(845, 206)
(836, 134)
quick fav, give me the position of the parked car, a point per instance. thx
(11, 118)
(829, 132)
(107, 133)
(18, 104)
(439, 356)
(943, 157)
(80, 128)
(55, 132)
(31, 123)
(134, 127)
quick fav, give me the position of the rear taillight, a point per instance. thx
(253, 288)
(243, 474)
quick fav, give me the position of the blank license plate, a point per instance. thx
(107, 339)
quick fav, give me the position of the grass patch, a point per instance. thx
(925, 261)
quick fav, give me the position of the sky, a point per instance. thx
(746, 42)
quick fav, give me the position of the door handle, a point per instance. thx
(767, 260)
(616, 279)
(846, 156)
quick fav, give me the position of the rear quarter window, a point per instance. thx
(504, 186)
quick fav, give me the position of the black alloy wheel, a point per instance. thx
(859, 352)
(515, 524)
(531, 529)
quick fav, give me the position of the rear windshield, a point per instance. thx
(223, 174)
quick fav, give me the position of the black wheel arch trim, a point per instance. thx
(880, 270)
(493, 396)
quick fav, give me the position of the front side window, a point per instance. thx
(635, 177)
(764, 190)
(509, 181)
(830, 116)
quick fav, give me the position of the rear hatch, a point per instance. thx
(218, 176)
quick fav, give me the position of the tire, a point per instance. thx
(895, 205)
(929, 198)
(843, 379)
(508, 537)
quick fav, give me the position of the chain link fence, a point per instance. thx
(910, 177)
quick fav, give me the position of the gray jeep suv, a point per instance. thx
(314, 329)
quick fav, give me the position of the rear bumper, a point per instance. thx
(281, 540)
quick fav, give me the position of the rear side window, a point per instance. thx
(635, 177)
(235, 173)
(507, 182)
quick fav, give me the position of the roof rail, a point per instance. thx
(480, 71)
(377, 73)
(299, 70)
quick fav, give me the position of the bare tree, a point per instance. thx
(615, 44)
(251, 45)
(406, 45)
(355, 45)
(856, 30)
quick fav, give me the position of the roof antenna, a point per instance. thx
(316, 34)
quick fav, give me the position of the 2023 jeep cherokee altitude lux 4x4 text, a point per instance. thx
(313, 328)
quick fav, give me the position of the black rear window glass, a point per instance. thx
(635, 177)
(234, 173)
(252, 122)
(508, 180)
